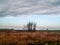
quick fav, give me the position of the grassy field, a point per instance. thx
(49, 30)
(16, 37)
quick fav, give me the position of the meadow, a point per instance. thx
(18, 37)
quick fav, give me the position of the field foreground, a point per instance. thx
(13, 37)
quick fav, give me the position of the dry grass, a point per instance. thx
(26, 38)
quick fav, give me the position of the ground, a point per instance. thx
(16, 37)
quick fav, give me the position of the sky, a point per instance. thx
(16, 13)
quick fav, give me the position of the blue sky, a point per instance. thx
(20, 12)
(40, 20)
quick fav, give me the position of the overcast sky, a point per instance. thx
(20, 12)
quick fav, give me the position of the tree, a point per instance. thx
(31, 26)
(34, 28)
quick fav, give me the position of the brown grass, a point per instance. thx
(26, 38)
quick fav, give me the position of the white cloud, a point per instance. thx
(32, 7)
(2, 8)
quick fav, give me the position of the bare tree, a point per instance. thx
(31, 26)
(34, 28)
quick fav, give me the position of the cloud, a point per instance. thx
(29, 7)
